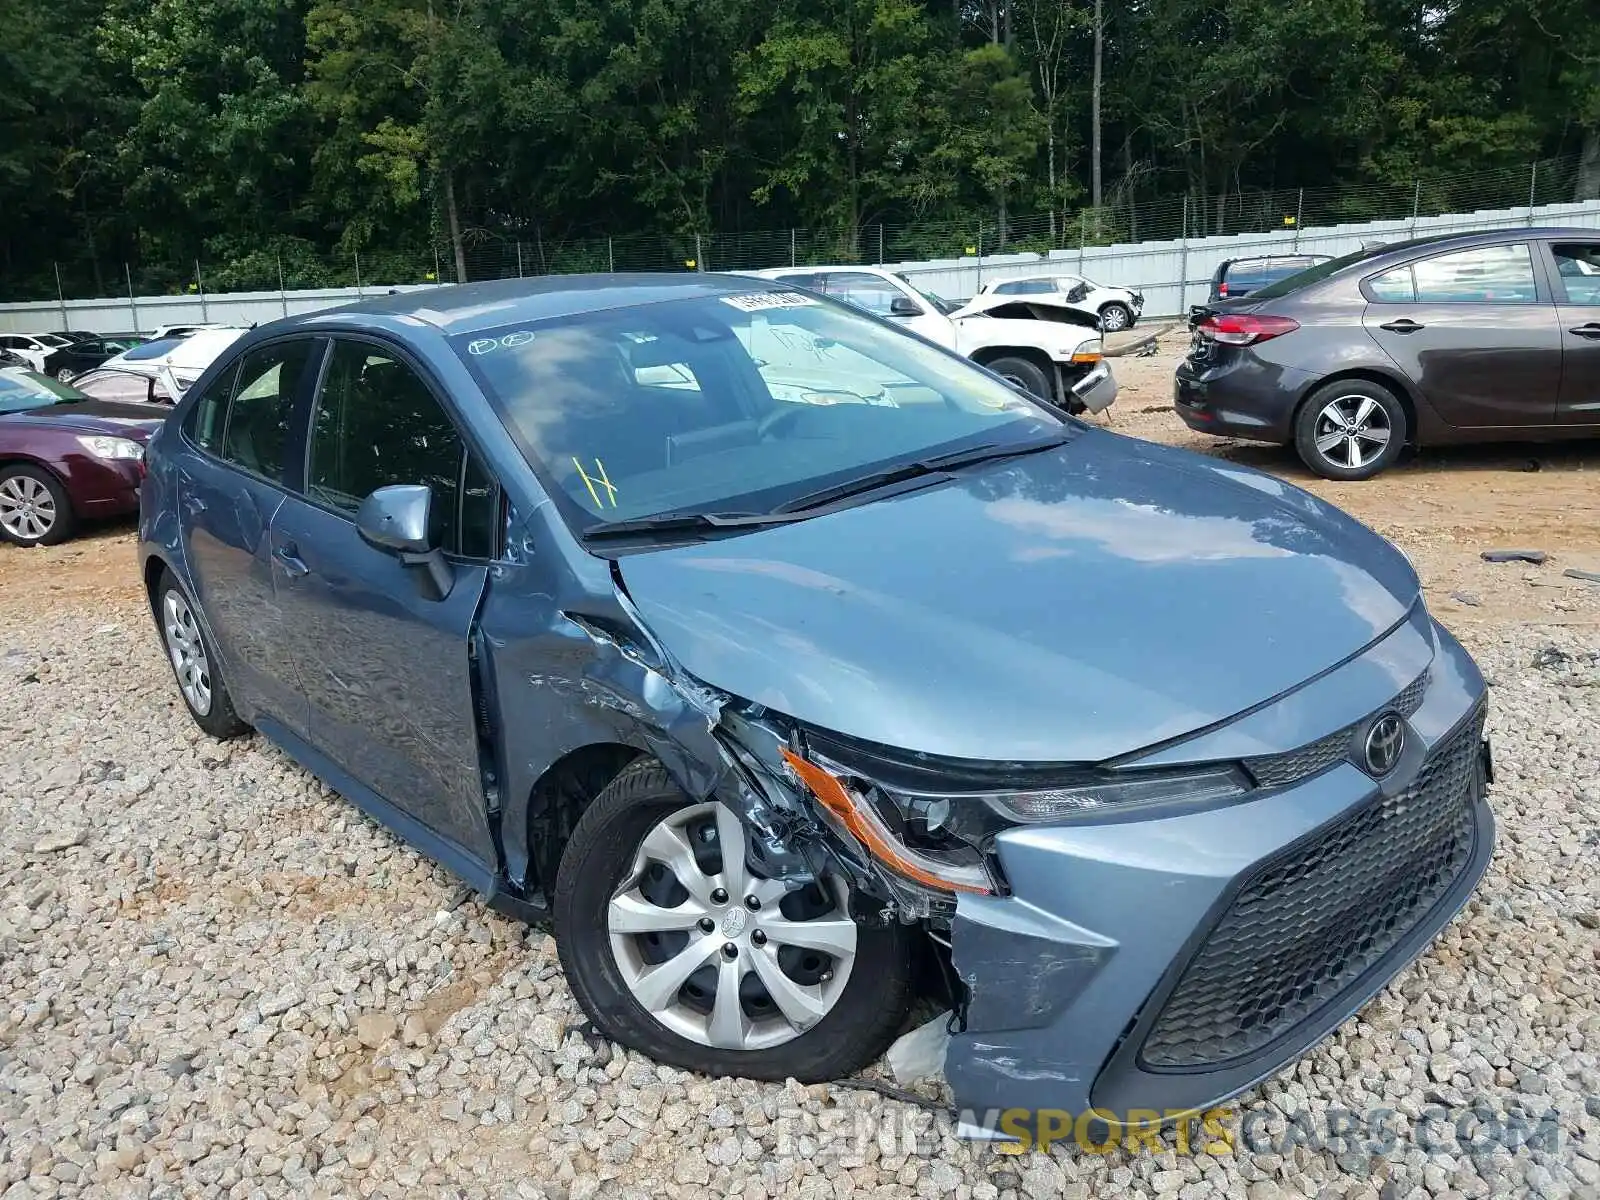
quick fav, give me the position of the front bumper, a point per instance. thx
(101, 487)
(1161, 966)
(1097, 390)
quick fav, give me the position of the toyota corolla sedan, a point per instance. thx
(760, 698)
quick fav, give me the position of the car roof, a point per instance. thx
(469, 307)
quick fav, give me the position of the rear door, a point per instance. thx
(1475, 331)
(230, 483)
(1575, 277)
(384, 667)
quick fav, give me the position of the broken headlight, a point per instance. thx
(927, 830)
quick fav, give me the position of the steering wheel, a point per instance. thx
(772, 422)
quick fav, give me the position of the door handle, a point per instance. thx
(291, 562)
(1403, 325)
(1591, 330)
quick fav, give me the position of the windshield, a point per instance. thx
(22, 390)
(733, 403)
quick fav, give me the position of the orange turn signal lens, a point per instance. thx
(1086, 358)
(868, 829)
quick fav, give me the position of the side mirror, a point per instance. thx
(904, 306)
(396, 519)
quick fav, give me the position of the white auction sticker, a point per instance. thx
(756, 301)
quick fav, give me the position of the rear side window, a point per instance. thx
(1578, 271)
(209, 414)
(376, 423)
(1026, 287)
(256, 435)
(1482, 275)
(1394, 286)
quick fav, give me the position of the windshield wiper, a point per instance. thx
(684, 522)
(932, 469)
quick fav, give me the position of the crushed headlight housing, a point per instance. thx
(942, 836)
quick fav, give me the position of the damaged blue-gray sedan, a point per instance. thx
(794, 665)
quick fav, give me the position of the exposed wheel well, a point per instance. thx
(1400, 388)
(153, 567)
(558, 799)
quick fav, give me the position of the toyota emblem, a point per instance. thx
(1385, 742)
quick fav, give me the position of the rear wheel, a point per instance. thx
(194, 663)
(66, 375)
(1350, 429)
(34, 507)
(675, 947)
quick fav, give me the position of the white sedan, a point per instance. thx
(1117, 307)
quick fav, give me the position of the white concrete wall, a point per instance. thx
(118, 314)
(1171, 274)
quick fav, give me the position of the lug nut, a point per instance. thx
(707, 924)
(719, 897)
(752, 903)
(759, 938)
(729, 950)
(827, 976)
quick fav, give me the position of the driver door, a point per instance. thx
(383, 665)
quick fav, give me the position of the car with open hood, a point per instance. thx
(1053, 351)
(1117, 308)
(769, 701)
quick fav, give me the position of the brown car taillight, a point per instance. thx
(1239, 329)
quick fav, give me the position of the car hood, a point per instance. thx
(1071, 606)
(135, 421)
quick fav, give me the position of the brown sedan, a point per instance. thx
(1462, 337)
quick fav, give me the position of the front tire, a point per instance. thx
(675, 948)
(1114, 318)
(66, 375)
(194, 662)
(35, 509)
(1025, 374)
(1350, 429)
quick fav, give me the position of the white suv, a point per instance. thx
(1055, 354)
(1118, 308)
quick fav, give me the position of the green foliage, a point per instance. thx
(260, 136)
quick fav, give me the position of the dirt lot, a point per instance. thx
(218, 979)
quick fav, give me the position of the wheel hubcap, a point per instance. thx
(1352, 431)
(717, 954)
(1114, 319)
(27, 509)
(188, 652)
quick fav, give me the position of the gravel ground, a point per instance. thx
(217, 978)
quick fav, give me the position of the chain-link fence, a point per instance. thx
(501, 254)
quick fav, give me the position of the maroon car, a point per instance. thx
(65, 456)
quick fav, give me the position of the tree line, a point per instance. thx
(256, 133)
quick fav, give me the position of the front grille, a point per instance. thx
(1279, 770)
(1309, 925)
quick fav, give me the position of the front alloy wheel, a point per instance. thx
(34, 508)
(676, 947)
(717, 955)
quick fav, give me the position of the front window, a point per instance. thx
(736, 403)
(939, 303)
